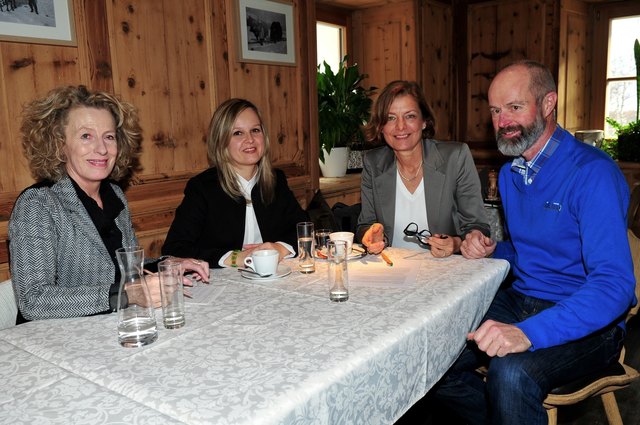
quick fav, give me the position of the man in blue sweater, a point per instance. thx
(565, 205)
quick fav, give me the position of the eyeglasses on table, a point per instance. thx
(421, 235)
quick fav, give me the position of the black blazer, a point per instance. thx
(209, 223)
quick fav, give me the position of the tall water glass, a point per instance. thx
(172, 293)
(136, 316)
(338, 273)
(306, 260)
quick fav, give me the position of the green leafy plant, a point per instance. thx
(343, 106)
(628, 143)
(610, 146)
(627, 146)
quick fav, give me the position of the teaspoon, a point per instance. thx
(254, 272)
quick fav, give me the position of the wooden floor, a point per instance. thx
(589, 412)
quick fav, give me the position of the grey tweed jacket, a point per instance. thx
(453, 195)
(59, 265)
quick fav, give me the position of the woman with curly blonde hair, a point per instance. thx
(43, 130)
(65, 229)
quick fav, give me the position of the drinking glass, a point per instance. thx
(136, 316)
(172, 293)
(322, 236)
(306, 260)
(338, 273)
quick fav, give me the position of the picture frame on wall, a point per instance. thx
(37, 21)
(266, 32)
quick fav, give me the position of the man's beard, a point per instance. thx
(516, 146)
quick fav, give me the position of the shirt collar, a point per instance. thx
(530, 169)
(246, 186)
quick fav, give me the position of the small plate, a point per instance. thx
(281, 272)
(356, 254)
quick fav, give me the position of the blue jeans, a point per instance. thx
(517, 384)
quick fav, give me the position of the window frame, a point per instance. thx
(343, 37)
(602, 15)
(336, 16)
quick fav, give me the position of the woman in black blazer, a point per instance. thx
(241, 203)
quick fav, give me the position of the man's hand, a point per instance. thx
(477, 245)
(499, 339)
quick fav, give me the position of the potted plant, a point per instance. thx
(627, 147)
(343, 107)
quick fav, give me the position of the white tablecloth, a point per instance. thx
(252, 352)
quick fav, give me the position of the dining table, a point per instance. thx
(257, 351)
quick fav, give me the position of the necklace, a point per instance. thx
(412, 178)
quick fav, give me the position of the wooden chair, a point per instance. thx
(633, 215)
(603, 383)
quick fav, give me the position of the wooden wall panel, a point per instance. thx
(14, 166)
(574, 71)
(28, 71)
(160, 64)
(309, 131)
(482, 30)
(385, 43)
(92, 34)
(500, 32)
(437, 76)
(220, 36)
(190, 102)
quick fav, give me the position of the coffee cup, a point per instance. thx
(343, 236)
(263, 261)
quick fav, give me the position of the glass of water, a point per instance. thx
(338, 273)
(172, 293)
(306, 260)
(322, 237)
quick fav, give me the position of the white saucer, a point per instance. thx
(355, 255)
(281, 272)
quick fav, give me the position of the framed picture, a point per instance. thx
(37, 21)
(266, 31)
